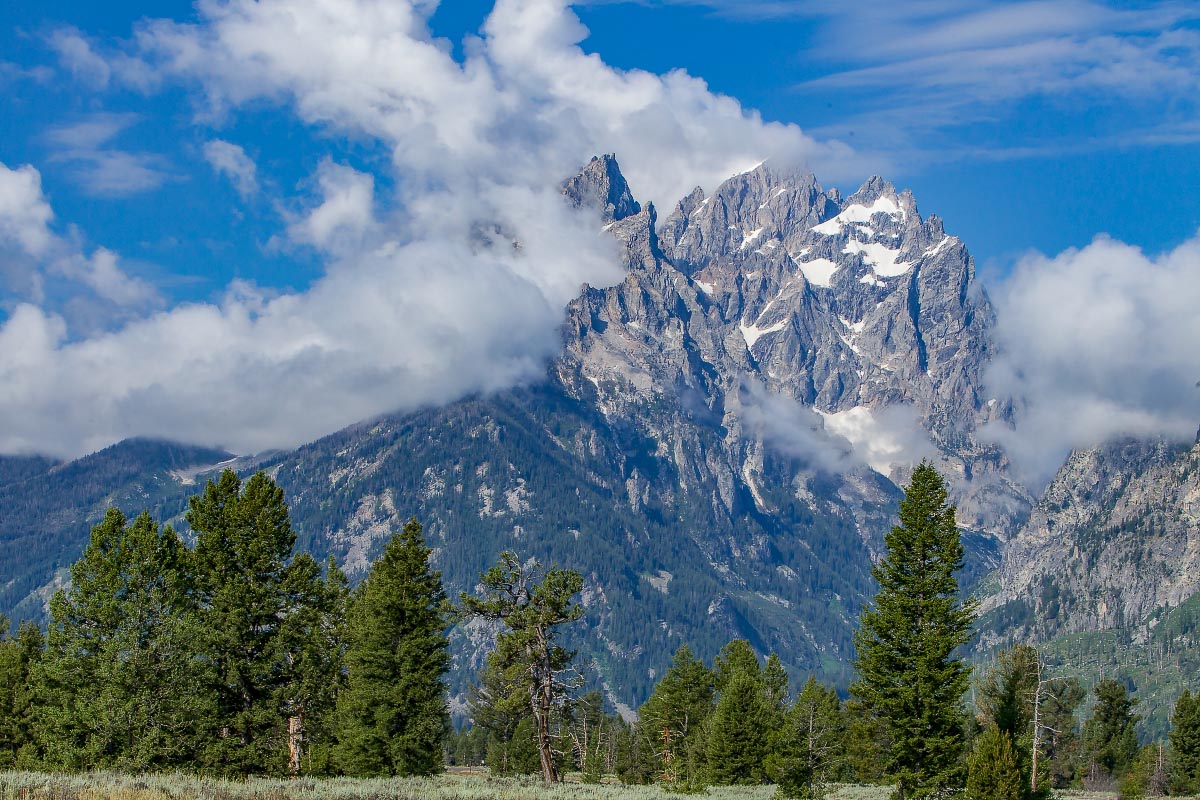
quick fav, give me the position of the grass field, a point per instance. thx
(451, 786)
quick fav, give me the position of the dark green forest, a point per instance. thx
(289, 671)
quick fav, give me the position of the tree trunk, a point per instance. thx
(295, 743)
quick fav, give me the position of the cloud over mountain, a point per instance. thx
(445, 273)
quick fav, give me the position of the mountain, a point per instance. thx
(1106, 572)
(717, 448)
(703, 448)
(49, 509)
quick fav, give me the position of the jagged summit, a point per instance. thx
(601, 185)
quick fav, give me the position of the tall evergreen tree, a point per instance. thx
(739, 729)
(532, 605)
(1109, 735)
(1185, 745)
(807, 753)
(908, 673)
(392, 713)
(118, 651)
(1011, 694)
(672, 720)
(19, 658)
(255, 603)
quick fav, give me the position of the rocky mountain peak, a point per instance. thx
(601, 185)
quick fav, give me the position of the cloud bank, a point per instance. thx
(1096, 343)
(415, 305)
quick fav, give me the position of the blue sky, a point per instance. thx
(236, 170)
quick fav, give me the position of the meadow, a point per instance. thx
(449, 786)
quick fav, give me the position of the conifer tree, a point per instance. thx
(499, 703)
(992, 772)
(1185, 745)
(908, 674)
(392, 713)
(672, 720)
(1010, 694)
(255, 604)
(19, 657)
(807, 752)
(532, 605)
(775, 679)
(1109, 735)
(740, 726)
(118, 651)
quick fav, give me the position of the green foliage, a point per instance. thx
(673, 718)
(807, 752)
(531, 604)
(1109, 737)
(740, 724)
(260, 613)
(20, 657)
(49, 509)
(392, 714)
(118, 651)
(909, 675)
(992, 772)
(1185, 745)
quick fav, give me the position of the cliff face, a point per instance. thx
(1115, 538)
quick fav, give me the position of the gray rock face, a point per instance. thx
(858, 309)
(1115, 537)
(602, 186)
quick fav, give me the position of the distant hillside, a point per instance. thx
(48, 512)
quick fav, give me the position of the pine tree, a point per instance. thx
(255, 605)
(392, 713)
(807, 752)
(1010, 694)
(775, 678)
(740, 725)
(672, 720)
(499, 703)
(908, 674)
(992, 772)
(118, 651)
(1109, 735)
(1185, 745)
(19, 658)
(532, 604)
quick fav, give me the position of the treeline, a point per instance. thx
(232, 657)
(236, 656)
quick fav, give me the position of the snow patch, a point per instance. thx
(748, 238)
(819, 271)
(883, 259)
(752, 333)
(707, 288)
(859, 213)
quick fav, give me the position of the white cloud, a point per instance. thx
(25, 214)
(346, 211)
(1096, 343)
(230, 160)
(100, 168)
(446, 276)
(35, 261)
(885, 439)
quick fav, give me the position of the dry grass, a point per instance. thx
(450, 786)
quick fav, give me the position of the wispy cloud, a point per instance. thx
(926, 79)
(231, 160)
(102, 169)
(36, 262)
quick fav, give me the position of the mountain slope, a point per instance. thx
(717, 446)
(48, 513)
